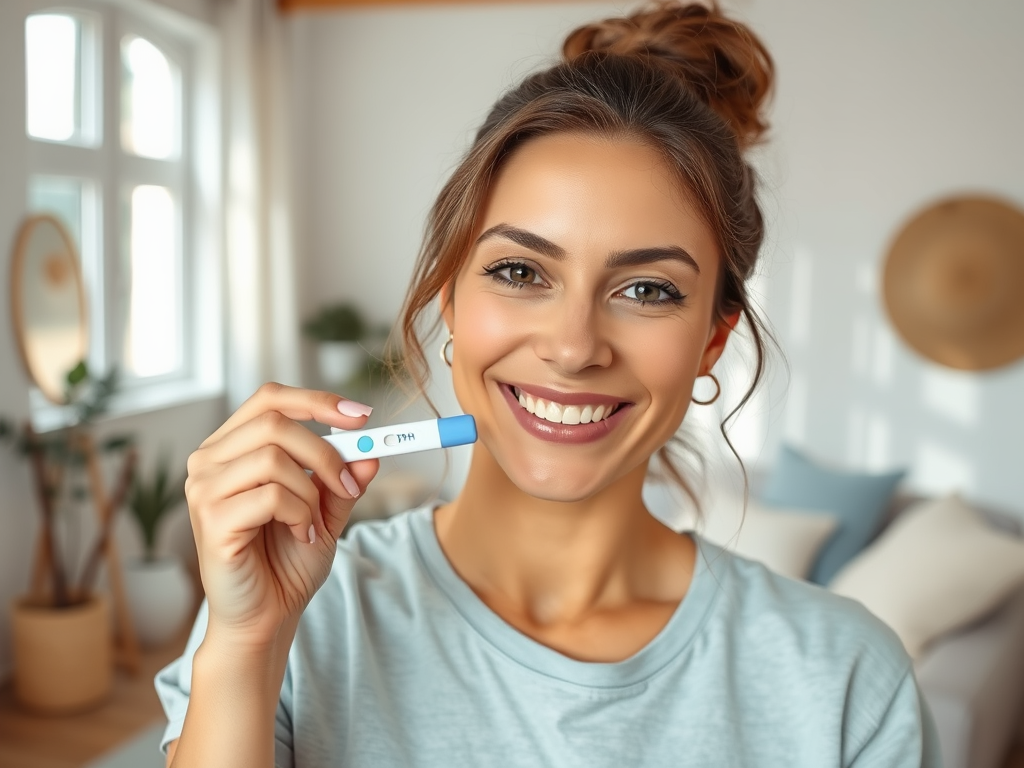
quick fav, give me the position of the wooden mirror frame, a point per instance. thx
(25, 232)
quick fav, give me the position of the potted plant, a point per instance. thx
(160, 593)
(337, 330)
(63, 649)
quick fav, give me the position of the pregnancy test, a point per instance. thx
(414, 436)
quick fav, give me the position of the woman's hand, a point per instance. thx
(254, 509)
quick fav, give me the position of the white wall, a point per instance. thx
(884, 107)
(881, 108)
(179, 429)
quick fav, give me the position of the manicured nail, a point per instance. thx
(352, 408)
(312, 534)
(350, 483)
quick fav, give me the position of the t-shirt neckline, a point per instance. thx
(673, 639)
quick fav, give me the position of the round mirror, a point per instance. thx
(48, 304)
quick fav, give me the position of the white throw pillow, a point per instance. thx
(937, 567)
(787, 541)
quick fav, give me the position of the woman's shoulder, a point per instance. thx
(791, 619)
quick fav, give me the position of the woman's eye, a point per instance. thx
(514, 274)
(651, 293)
(520, 273)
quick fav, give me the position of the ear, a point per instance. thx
(716, 342)
(447, 297)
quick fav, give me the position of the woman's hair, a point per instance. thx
(684, 80)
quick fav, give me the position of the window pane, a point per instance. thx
(153, 342)
(61, 198)
(52, 76)
(149, 103)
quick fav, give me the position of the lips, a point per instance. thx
(564, 417)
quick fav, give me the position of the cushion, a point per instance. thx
(787, 541)
(857, 500)
(938, 567)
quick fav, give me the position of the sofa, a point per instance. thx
(973, 678)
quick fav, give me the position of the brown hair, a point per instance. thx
(683, 79)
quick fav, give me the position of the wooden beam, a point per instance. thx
(298, 5)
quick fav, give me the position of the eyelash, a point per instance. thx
(674, 296)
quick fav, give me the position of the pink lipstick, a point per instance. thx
(564, 433)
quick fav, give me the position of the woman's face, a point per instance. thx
(588, 296)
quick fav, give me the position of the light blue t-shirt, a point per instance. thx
(397, 663)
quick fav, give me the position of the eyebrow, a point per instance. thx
(629, 258)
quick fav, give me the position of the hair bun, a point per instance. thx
(720, 59)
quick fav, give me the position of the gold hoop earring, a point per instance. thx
(718, 391)
(444, 349)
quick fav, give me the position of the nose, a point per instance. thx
(573, 337)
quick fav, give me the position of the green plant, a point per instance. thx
(150, 500)
(338, 322)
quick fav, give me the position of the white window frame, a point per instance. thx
(195, 179)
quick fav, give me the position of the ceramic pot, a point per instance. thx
(63, 657)
(160, 599)
(339, 361)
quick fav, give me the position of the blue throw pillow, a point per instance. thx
(859, 501)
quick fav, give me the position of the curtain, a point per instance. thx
(262, 341)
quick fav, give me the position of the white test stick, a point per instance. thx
(403, 438)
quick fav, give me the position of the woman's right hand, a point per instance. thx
(254, 508)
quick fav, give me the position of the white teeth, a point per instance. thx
(554, 413)
(563, 414)
(571, 414)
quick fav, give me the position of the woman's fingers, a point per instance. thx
(235, 521)
(306, 450)
(298, 404)
(337, 509)
(265, 465)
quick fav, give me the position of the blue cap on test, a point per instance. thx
(456, 430)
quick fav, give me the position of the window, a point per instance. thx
(112, 118)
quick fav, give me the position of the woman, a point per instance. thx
(589, 255)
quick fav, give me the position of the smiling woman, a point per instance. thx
(589, 255)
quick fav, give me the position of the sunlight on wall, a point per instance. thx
(854, 435)
(953, 394)
(937, 469)
(800, 297)
(860, 330)
(860, 333)
(796, 409)
(883, 353)
(876, 443)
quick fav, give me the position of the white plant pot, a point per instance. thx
(160, 598)
(339, 361)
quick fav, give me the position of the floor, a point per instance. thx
(28, 741)
(69, 742)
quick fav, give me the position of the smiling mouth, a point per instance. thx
(557, 413)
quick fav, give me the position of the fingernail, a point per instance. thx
(312, 534)
(350, 483)
(352, 408)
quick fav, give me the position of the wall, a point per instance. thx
(179, 429)
(881, 108)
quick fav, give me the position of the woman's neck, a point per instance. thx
(563, 572)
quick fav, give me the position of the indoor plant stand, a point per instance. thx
(63, 649)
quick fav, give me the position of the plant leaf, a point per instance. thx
(78, 374)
